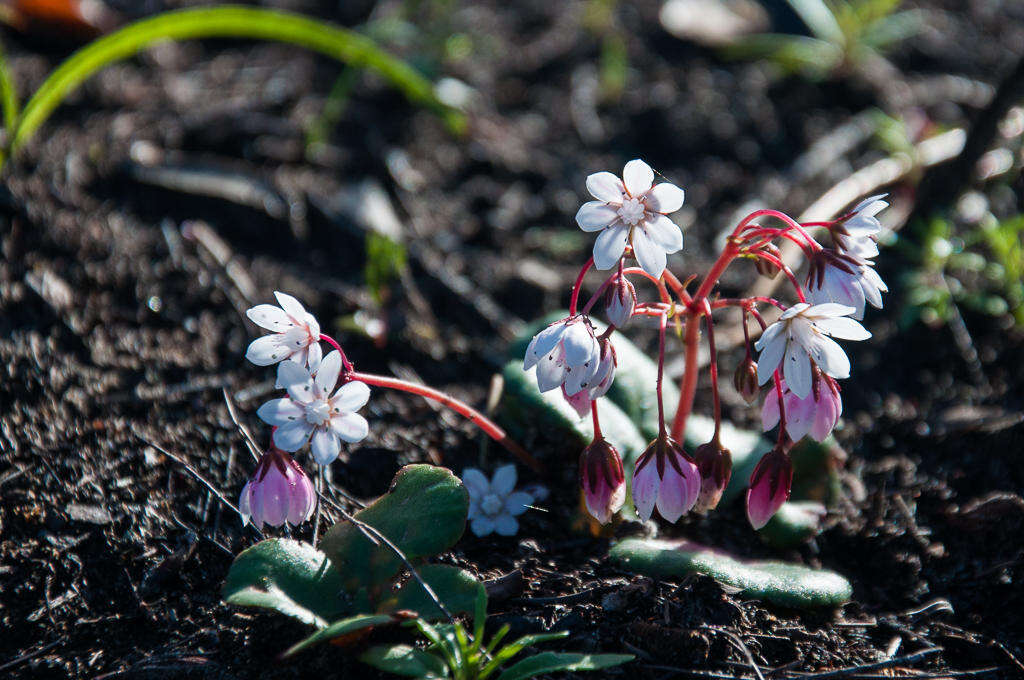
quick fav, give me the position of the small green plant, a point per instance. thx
(211, 22)
(844, 35)
(452, 652)
(983, 270)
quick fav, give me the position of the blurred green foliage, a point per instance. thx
(385, 261)
(844, 34)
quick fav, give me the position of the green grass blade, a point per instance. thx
(226, 22)
(8, 94)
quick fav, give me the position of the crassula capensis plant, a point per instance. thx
(322, 397)
(797, 356)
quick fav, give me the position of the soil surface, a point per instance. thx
(177, 189)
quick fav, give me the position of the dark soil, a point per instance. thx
(121, 316)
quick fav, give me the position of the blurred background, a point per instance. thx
(179, 187)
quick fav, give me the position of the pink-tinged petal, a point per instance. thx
(645, 488)
(504, 480)
(595, 215)
(313, 326)
(517, 503)
(351, 427)
(351, 396)
(267, 350)
(665, 198)
(799, 415)
(270, 317)
(482, 525)
(770, 410)
(769, 487)
(327, 374)
(542, 344)
(829, 410)
(475, 482)
(290, 373)
(602, 479)
(678, 492)
(665, 233)
(280, 412)
(293, 436)
(606, 187)
(797, 369)
(295, 339)
(244, 504)
(649, 254)
(506, 525)
(325, 446)
(610, 245)
(638, 177)
(580, 401)
(291, 306)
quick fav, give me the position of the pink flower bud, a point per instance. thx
(279, 492)
(715, 465)
(621, 301)
(769, 487)
(764, 267)
(745, 380)
(602, 479)
(667, 477)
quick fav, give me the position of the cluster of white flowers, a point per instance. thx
(313, 409)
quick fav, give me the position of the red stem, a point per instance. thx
(574, 300)
(491, 429)
(688, 388)
(661, 372)
(713, 368)
(345, 363)
(597, 422)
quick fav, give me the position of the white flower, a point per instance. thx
(846, 280)
(632, 210)
(311, 409)
(856, 234)
(799, 337)
(597, 385)
(296, 333)
(566, 353)
(495, 504)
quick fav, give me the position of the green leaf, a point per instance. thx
(790, 585)
(511, 649)
(820, 19)
(289, 576)
(550, 662)
(405, 660)
(424, 514)
(338, 629)
(8, 94)
(226, 22)
(456, 588)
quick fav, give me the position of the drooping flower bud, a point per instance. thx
(714, 462)
(279, 492)
(621, 301)
(769, 486)
(602, 479)
(745, 380)
(764, 267)
(667, 477)
(593, 386)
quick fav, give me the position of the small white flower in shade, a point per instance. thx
(632, 210)
(296, 333)
(846, 280)
(495, 504)
(856, 235)
(565, 353)
(311, 410)
(800, 338)
(594, 386)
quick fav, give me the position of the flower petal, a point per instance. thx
(609, 246)
(267, 350)
(551, 371)
(290, 373)
(771, 355)
(482, 526)
(506, 525)
(580, 345)
(476, 482)
(516, 503)
(351, 427)
(292, 436)
(291, 306)
(665, 198)
(797, 369)
(650, 256)
(314, 355)
(604, 186)
(327, 373)
(638, 177)
(351, 396)
(543, 343)
(280, 412)
(665, 233)
(645, 489)
(504, 480)
(270, 317)
(326, 446)
(843, 328)
(595, 215)
(831, 358)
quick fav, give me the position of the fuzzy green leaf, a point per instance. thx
(456, 588)
(405, 660)
(550, 662)
(338, 629)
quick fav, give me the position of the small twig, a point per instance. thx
(738, 642)
(29, 655)
(250, 441)
(854, 670)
